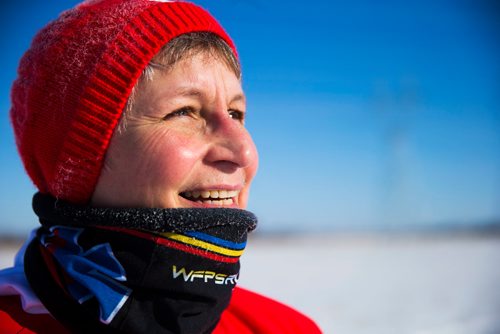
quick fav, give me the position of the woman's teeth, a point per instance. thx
(215, 197)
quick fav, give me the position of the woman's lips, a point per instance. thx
(215, 197)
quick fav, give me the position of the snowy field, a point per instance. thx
(378, 284)
(383, 284)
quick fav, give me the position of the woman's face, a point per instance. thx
(184, 143)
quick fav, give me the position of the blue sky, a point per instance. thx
(366, 114)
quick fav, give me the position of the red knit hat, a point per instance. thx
(74, 82)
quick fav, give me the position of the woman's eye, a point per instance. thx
(185, 111)
(237, 115)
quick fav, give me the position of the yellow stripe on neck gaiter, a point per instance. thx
(202, 244)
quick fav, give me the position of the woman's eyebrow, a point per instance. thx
(196, 93)
(238, 98)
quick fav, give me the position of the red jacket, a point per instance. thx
(247, 313)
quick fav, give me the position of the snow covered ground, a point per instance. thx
(439, 284)
(382, 284)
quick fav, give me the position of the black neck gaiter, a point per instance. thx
(101, 270)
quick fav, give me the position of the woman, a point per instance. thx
(129, 118)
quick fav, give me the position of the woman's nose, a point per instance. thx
(231, 144)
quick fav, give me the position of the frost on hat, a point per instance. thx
(74, 81)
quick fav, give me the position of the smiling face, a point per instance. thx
(184, 144)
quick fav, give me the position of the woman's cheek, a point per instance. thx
(174, 160)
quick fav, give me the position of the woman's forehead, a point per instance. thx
(196, 77)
